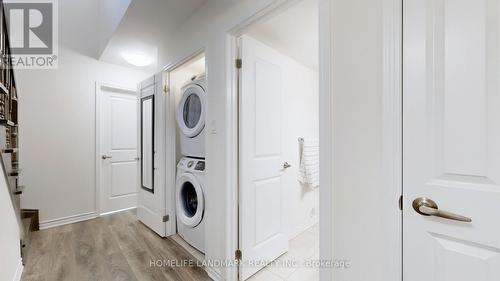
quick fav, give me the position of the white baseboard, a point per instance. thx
(213, 274)
(303, 226)
(199, 256)
(67, 220)
(19, 271)
(117, 211)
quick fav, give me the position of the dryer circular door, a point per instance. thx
(190, 200)
(191, 110)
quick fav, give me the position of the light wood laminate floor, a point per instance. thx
(115, 247)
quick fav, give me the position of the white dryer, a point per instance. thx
(191, 114)
(190, 201)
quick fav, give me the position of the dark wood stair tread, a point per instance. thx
(6, 122)
(9, 150)
(19, 190)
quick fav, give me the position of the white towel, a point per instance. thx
(309, 162)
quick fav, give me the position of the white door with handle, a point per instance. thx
(262, 235)
(118, 149)
(451, 140)
(151, 209)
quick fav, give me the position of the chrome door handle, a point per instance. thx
(427, 207)
(286, 165)
(104, 157)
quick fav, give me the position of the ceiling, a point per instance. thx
(86, 26)
(144, 25)
(293, 32)
(105, 29)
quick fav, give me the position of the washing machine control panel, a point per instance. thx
(200, 166)
(192, 164)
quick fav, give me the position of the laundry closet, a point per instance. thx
(188, 84)
(277, 198)
(173, 108)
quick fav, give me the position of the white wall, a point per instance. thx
(298, 39)
(365, 206)
(300, 119)
(10, 255)
(57, 133)
(112, 12)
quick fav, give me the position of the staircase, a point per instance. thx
(9, 127)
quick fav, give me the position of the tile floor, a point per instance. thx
(302, 248)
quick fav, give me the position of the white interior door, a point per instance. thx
(261, 217)
(118, 145)
(452, 139)
(151, 209)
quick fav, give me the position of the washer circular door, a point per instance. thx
(191, 110)
(190, 200)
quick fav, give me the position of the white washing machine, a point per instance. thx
(190, 201)
(191, 114)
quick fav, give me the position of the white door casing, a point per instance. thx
(262, 233)
(118, 148)
(151, 207)
(451, 138)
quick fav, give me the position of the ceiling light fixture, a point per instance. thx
(137, 59)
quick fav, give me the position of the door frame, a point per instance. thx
(391, 134)
(98, 163)
(392, 137)
(170, 138)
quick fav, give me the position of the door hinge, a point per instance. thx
(237, 255)
(166, 218)
(400, 202)
(165, 89)
(239, 63)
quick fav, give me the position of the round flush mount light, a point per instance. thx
(137, 59)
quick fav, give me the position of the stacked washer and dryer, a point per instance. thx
(190, 181)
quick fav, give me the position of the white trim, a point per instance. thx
(392, 134)
(302, 227)
(325, 138)
(19, 271)
(98, 163)
(67, 220)
(97, 151)
(184, 59)
(213, 274)
(170, 149)
(199, 256)
(117, 211)
(170, 136)
(232, 155)
(273, 8)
